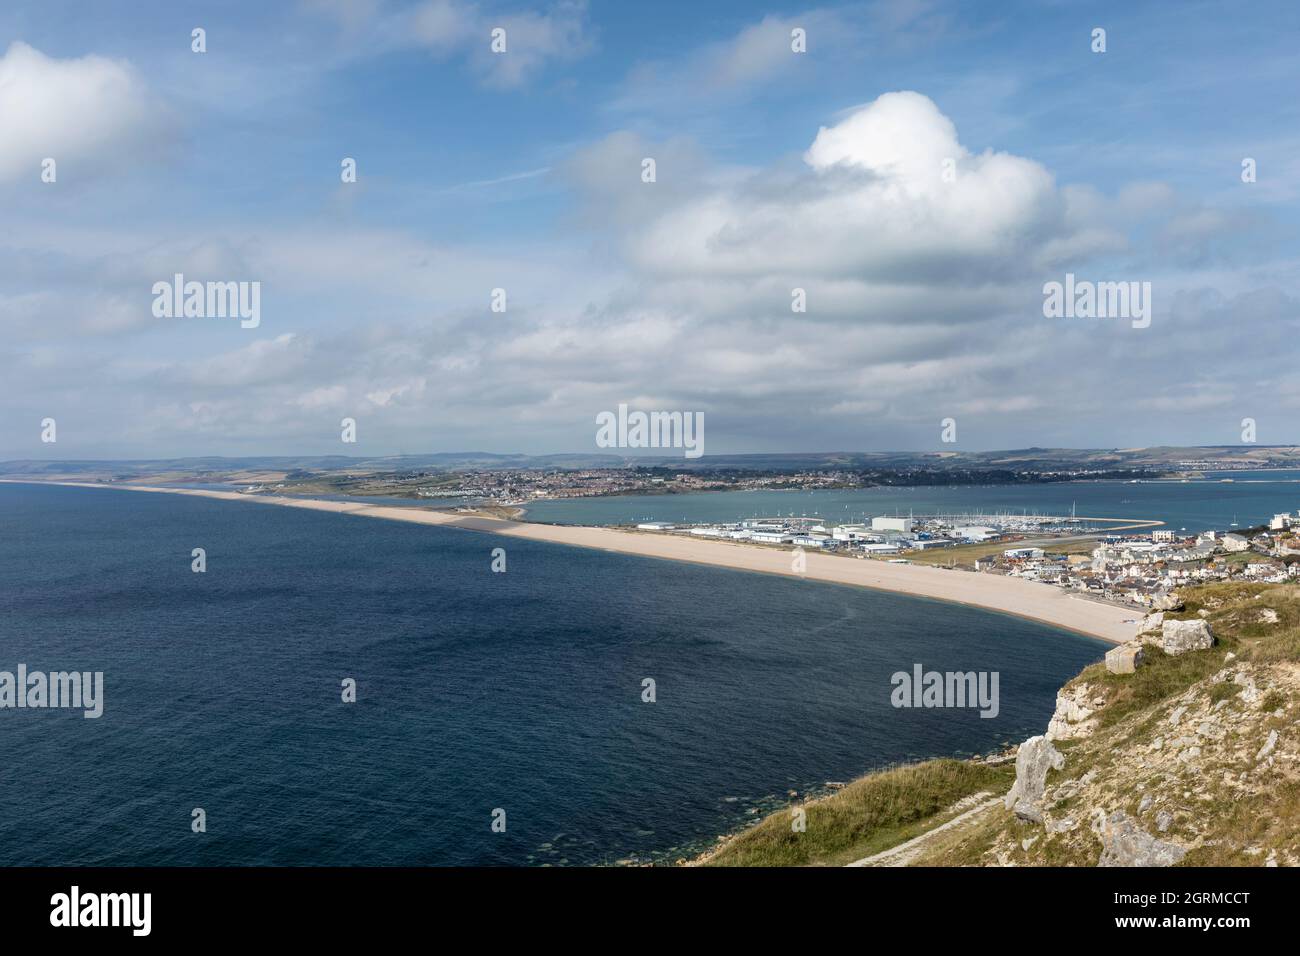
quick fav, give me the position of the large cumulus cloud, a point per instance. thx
(924, 302)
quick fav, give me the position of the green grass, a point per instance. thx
(1239, 558)
(871, 814)
(1270, 819)
(1234, 617)
(971, 847)
(885, 809)
(967, 554)
(1159, 679)
(1224, 690)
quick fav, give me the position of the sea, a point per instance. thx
(1220, 500)
(500, 717)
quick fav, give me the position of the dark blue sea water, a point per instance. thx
(1249, 498)
(477, 690)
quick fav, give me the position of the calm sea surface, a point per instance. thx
(477, 691)
(1250, 498)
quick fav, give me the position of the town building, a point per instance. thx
(1023, 553)
(1235, 542)
(887, 523)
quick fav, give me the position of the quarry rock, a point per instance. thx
(1264, 751)
(1124, 843)
(1125, 659)
(1071, 718)
(1152, 622)
(1167, 602)
(1035, 757)
(1250, 693)
(1179, 637)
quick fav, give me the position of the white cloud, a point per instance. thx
(873, 203)
(444, 26)
(924, 302)
(330, 396)
(534, 39)
(759, 56)
(263, 361)
(397, 394)
(900, 136)
(754, 57)
(90, 109)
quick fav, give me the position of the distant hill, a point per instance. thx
(1159, 458)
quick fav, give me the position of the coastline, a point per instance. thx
(1026, 599)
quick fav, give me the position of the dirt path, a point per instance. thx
(905, 853)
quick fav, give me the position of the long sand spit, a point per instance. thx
(1022, 598)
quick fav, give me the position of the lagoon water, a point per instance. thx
(476, 690)
(1249, 498)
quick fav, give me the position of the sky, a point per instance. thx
(920, 170)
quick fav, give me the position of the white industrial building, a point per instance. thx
(880, 548)
(887, 523)
(849, 532)
(1023, 553)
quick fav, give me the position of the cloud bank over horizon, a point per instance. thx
(819, 262)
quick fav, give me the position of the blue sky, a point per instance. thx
(521, 171)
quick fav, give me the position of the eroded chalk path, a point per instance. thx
(906, 853)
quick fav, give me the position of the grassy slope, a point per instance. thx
(882, 810)
(871, 814)
(1223, 820)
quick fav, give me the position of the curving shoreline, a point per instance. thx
(1027, 599)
